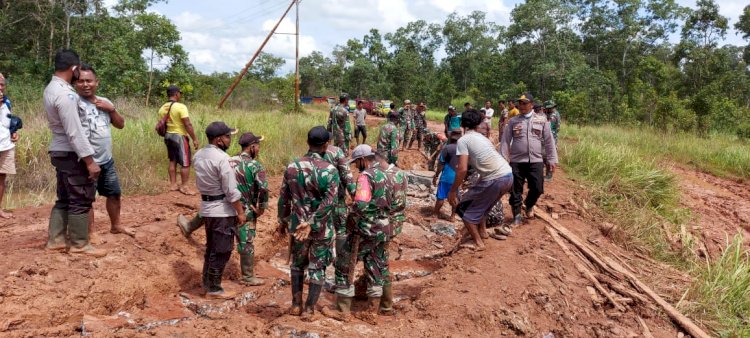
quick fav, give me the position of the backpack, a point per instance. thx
(161, 125)
(15, 121)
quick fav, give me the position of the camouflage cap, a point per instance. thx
(550, 104)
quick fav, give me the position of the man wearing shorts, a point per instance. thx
(99, 114)
(7, 144)
(446, 171)
(176, 139)
(359, 116)
(495, 177)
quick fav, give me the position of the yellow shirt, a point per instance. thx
(513, 112)
(178, 112)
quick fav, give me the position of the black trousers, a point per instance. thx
(220, 233)
(533, 173)
(75, 191)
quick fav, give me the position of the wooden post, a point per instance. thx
(296, 62)
(250, 63)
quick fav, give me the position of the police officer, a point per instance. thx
(72, 156)
(306, 205)
(525, 139)
(371, 222)
(221, 207)
(339, 125)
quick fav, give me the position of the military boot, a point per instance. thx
(78, 230)
(58, 226)
(215, 291)
(313, 293)
(247, 266)
(386, 300)
(298, 278)
(344, 304)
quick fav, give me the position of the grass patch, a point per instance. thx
(623, 170)
(724, 290)
(140, 153)
(720, 154)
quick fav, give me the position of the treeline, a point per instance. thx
(602, 61)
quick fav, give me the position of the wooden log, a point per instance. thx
(646, 331)
(584, 271)
(579, 244)
(678, 317)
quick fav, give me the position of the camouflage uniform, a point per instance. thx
(420, 126)
(554, 123)
(406, 116)
(432, 145)
(308, 194)
(252, 184)
(371, 218)
(340, 127)
(335, 156)
(397, 186)
(388, 141)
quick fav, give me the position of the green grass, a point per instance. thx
(140, 153)
(624, 171)
(721, 154)
(724, 290)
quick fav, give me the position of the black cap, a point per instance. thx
(248, 138)
(526, 97)
(318, 136)
(218, 128)
(172, 90)
(393, 115)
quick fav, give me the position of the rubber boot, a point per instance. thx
(386, 300)
(247, 266)
(215, 291)
(58, 224)
(344, 304)
(313, 293)
(298, 277)
(189, 226)
(78, 230)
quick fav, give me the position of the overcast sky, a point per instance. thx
(222, 35)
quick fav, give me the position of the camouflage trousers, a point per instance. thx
(432, 162)
(313, 255)
(406, 134)
(341, 140)
(248, 247)
(340, 212)
(417, 134)
(374, 255)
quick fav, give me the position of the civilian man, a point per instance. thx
(99, 114)
(360, 114)
(8, 139)
(179, 128)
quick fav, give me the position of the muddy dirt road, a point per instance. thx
(150, 284)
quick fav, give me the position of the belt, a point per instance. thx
(209, 198)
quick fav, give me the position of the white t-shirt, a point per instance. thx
(488, 112)
(5, 143)
(482, 156)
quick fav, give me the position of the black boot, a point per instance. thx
(298, 278)
(215, 290)
(313, 293)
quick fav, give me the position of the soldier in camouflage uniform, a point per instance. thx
(339, 125)
(420, 124)
(406, 119)
(397, 186)
(335, 156)
(306, 205)
(371, 223)
(554, 119)
(253, 187)
(388, 139)
(433, 143)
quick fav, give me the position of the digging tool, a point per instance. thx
(355, 248)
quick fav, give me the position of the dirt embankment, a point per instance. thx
(150, 284)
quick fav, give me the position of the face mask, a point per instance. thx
(223, 146)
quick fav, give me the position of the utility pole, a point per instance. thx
(250, 63)
(296, 61)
